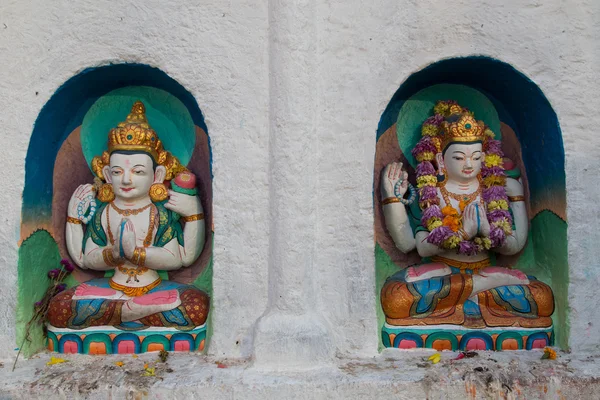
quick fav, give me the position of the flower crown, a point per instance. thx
(135, 134)
(452, 123)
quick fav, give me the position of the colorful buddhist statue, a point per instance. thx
(464, 209)
(135, 228)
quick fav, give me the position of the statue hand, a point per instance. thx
(484, 224)
(514, 187)
(129, 240)
(183, 204)
(469, 220)
(79, 195)
(390, 175)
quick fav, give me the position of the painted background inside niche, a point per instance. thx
(519, 113)
(70, 130)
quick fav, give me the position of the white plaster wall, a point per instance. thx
(363, 51)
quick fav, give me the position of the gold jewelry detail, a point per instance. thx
(514, 199)
(106, 193)
(463, 265)
(465, 129)
(158, 192)
(72, 220)
(134, 291)
(195, 217)
(109, 259)
(465, 198)
(127, 212)
(390, 200)
(151, 223)
(139, 256)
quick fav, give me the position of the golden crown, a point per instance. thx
(135, 134)
(452, 123)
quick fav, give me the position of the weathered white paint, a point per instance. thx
(337, 65)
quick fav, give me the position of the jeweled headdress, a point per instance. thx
(452, 123)
(135, 134)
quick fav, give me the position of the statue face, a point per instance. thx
(131, 175)
(463, 161)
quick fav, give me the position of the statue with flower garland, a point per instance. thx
(463, 209)
(132, 226)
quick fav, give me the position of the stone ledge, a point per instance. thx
(393, 374)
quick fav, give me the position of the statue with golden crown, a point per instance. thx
(464, 209)
(132, 226)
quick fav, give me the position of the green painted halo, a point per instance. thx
(166, 114)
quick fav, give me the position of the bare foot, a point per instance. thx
(85, 290)
(426, 271)
(513, 275)
(148, 304)
(493, 277)
(158, 298)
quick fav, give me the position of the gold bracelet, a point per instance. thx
(195, 217)
(139, 256)
(107, 255)
(391, 200)
(142, 259)
(514, 199)
(72, 220)
(135, 257)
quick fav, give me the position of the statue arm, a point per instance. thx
(74, 236)
(516, 241)
(194, 231)
(424, 248)
(397, 224)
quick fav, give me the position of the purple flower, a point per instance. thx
(438, 235)
(494, 193)
(497, 236)
(430, 212)
(61, 287)
(494, 147)
(427, 193)
(497, 215)
(467, 247)
(425, 168)
(53, 273)
(488, 171)
(37, 304)
(436, 119)
(67, 264)
(424, 145)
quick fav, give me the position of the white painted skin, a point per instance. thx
(131, 176)
(461, 163)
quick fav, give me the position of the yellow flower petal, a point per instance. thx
(54, 360)
(119, 363)
(435, 358)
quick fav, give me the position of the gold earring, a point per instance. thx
(105, 193)
(158, 192)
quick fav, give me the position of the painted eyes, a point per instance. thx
(116, 172)
(462, 158)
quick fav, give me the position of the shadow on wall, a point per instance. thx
(58, 161)
(531, 137)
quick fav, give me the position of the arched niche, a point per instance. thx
(531, 137)
(71, 128)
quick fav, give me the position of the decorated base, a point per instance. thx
(109, 340)
(456, 337)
